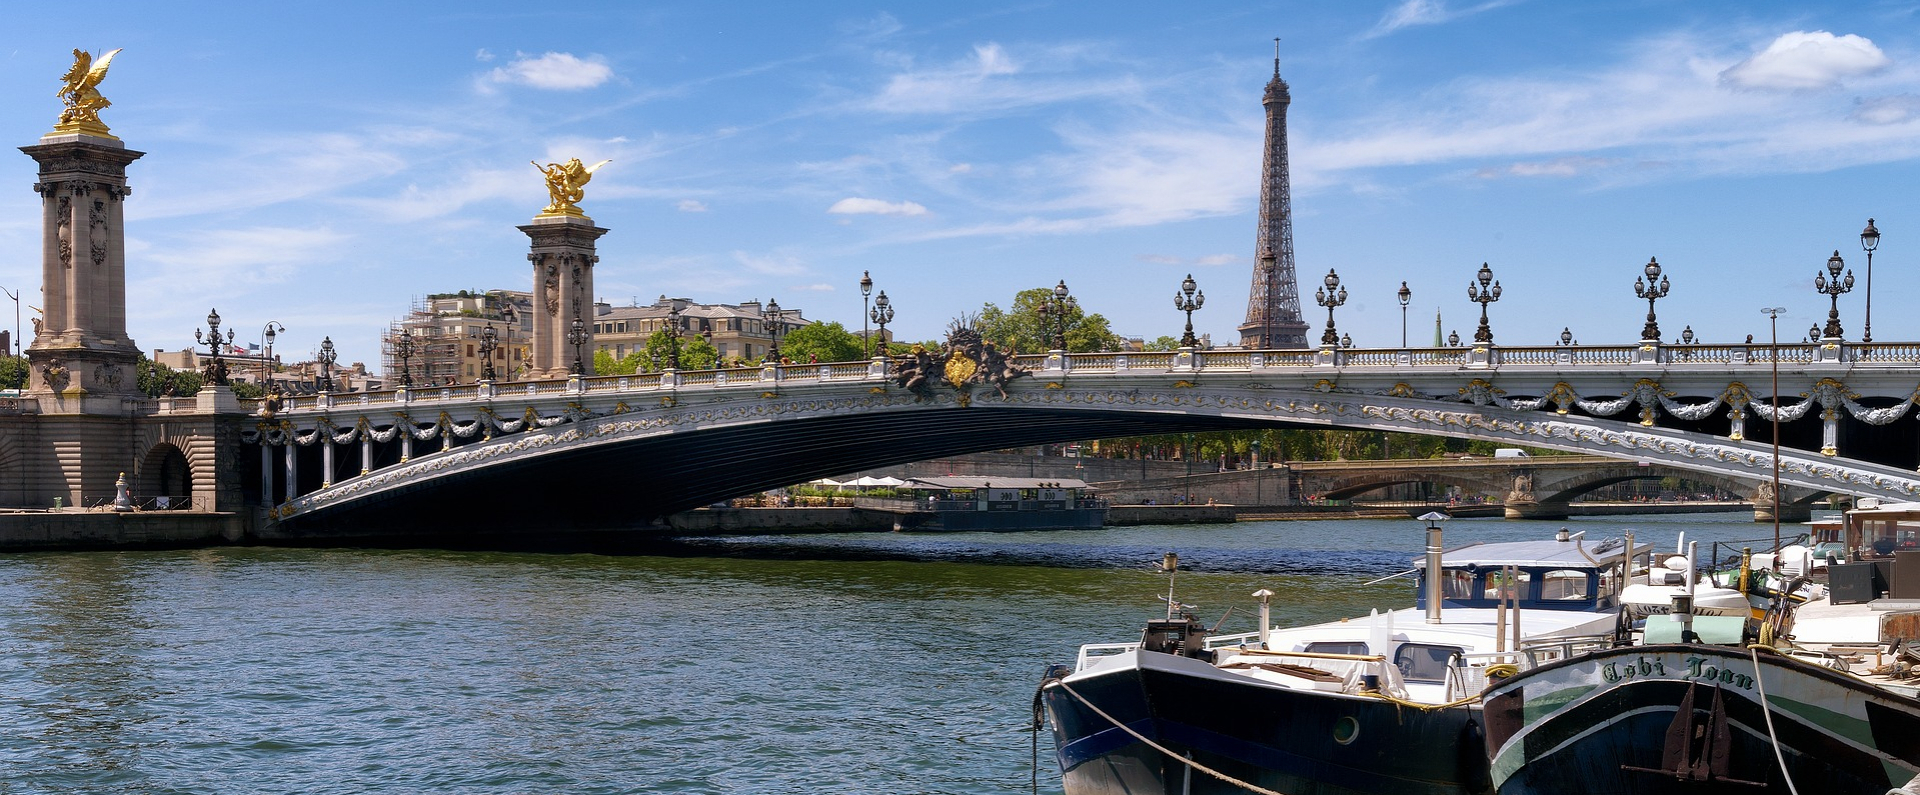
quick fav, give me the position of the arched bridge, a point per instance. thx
(1533, 487)
(619, 449)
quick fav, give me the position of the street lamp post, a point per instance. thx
(15, 295)
(1058, 305)
(1655, 288)
(267, 333)
(326, 357)
(1483, 295)
(577, 337)
(404, 347)
(489, 342)
(1833, 288)
(216, 369)
(866, 289)
(1406, 297)
(1773, 354)
(1188, 299)
(1869, 240)
(1330, 296)
(771, 317)
(673, 337)
(882, 315)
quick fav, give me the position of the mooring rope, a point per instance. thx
(1163, 749)
(1767, 712)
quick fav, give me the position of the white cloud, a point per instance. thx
(1219, 259)
(855, 206)
(483, 55)
(1416, 13)
(960, 168)
(690, 206)
(554, 71)
(1804, 60)
(770, 264)
(1887, 110)
(1666, 106)
(1569, 166)
(992, 80)
(1205, 261)
(821, 287)
(234, 259)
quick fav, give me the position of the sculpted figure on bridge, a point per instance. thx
(78, 90)
(967, 360)
(566, 184)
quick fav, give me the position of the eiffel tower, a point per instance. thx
(1273, 305)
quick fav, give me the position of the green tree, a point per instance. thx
(827, 342)
(1025, 330)
(1164, 344)
(13, 372)
(153, 378)
(605, 364)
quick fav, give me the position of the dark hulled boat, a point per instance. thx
(1697, 719)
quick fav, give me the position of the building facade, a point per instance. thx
(441, 339)
(745, 331)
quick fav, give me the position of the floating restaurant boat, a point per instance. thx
(1005, 503)
(1382, 704)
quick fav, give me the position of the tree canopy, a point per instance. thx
(826, 342)
(1025, 330)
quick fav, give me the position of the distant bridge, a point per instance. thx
(624, 448)
(1541, 487)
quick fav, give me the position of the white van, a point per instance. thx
(1510, 452)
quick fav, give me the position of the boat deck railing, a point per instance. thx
(1093, 652)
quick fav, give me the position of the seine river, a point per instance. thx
(877, 663)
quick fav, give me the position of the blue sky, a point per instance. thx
(322, 164)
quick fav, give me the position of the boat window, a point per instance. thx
(1500, 586)
(1419, 662)
(1565, 585)
(1456, 584)
(1337, 647)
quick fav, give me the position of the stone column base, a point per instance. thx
(1789, 513)
(1537, 510)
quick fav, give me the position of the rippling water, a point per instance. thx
(879, 663)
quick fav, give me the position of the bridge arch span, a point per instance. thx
(627, 453)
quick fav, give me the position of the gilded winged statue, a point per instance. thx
(565, 183)
(77, 90)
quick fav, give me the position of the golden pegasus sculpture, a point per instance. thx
(78, 89)
(565, 183)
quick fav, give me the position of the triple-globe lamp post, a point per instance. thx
(216, 369)
(1330, 296)
(882, 314)
(1654, 288)
(326, 357)
(1058, 306)
(267, 333)
(1189, 298)
(1833, 287)
(1486, 292)
(489, 342)
(403, 348)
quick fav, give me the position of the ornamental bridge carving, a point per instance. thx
(618, 449)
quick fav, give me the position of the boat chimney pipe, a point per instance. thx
(1266, 621)
(1433, 579)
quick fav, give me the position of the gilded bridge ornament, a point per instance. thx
(967, 360)
(83, 100)
(565, 186)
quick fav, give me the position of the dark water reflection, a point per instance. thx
(857, 663)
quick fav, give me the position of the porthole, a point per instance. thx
(1345, 730)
